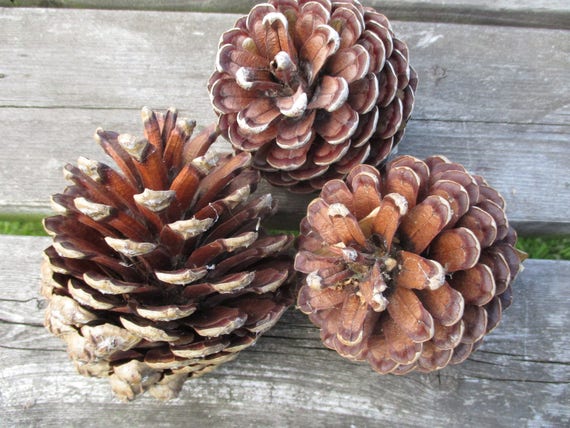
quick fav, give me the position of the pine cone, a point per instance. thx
(409, 268)
(162, 272)
(313, 88)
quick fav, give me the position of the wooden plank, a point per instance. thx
(519, 377)
(526, 13)
(125, 59)
(500, 152)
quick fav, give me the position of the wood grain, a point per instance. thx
(526, 13)
(519, 377)
(99, 59)
(500, 111)
(494, 98)
(500, 152)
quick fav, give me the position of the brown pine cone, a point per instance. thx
(409, 268)
(312, 88)
(162, 272)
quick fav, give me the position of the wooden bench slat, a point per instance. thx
(502, 153)
(527, 13)
(125, 59)
(519, 376)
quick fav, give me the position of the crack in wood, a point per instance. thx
(39, 301)
(547, 362)
(537, 381)
(64, 107)
(27, 324)
(19, 348)
(520, 357)
(414, 119)
(18, 300)
(488, 122)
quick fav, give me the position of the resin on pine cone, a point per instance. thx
(312, 89)
(162, 271)
(409, 268)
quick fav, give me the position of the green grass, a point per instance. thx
(556, 248)
(21, 225)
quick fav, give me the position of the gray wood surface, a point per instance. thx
(496, 98)
(483, 99)
(526, 13)
(520, 377)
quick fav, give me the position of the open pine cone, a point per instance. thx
(312, 88)
(407, 269)
(162, 272)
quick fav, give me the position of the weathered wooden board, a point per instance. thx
(126, 59)
(97, 68)
(520, 377)
(527, 13)
(520, 160)
(496, 99)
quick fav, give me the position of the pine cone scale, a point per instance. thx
(418, 272)
(331, 94)
(408, 313)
